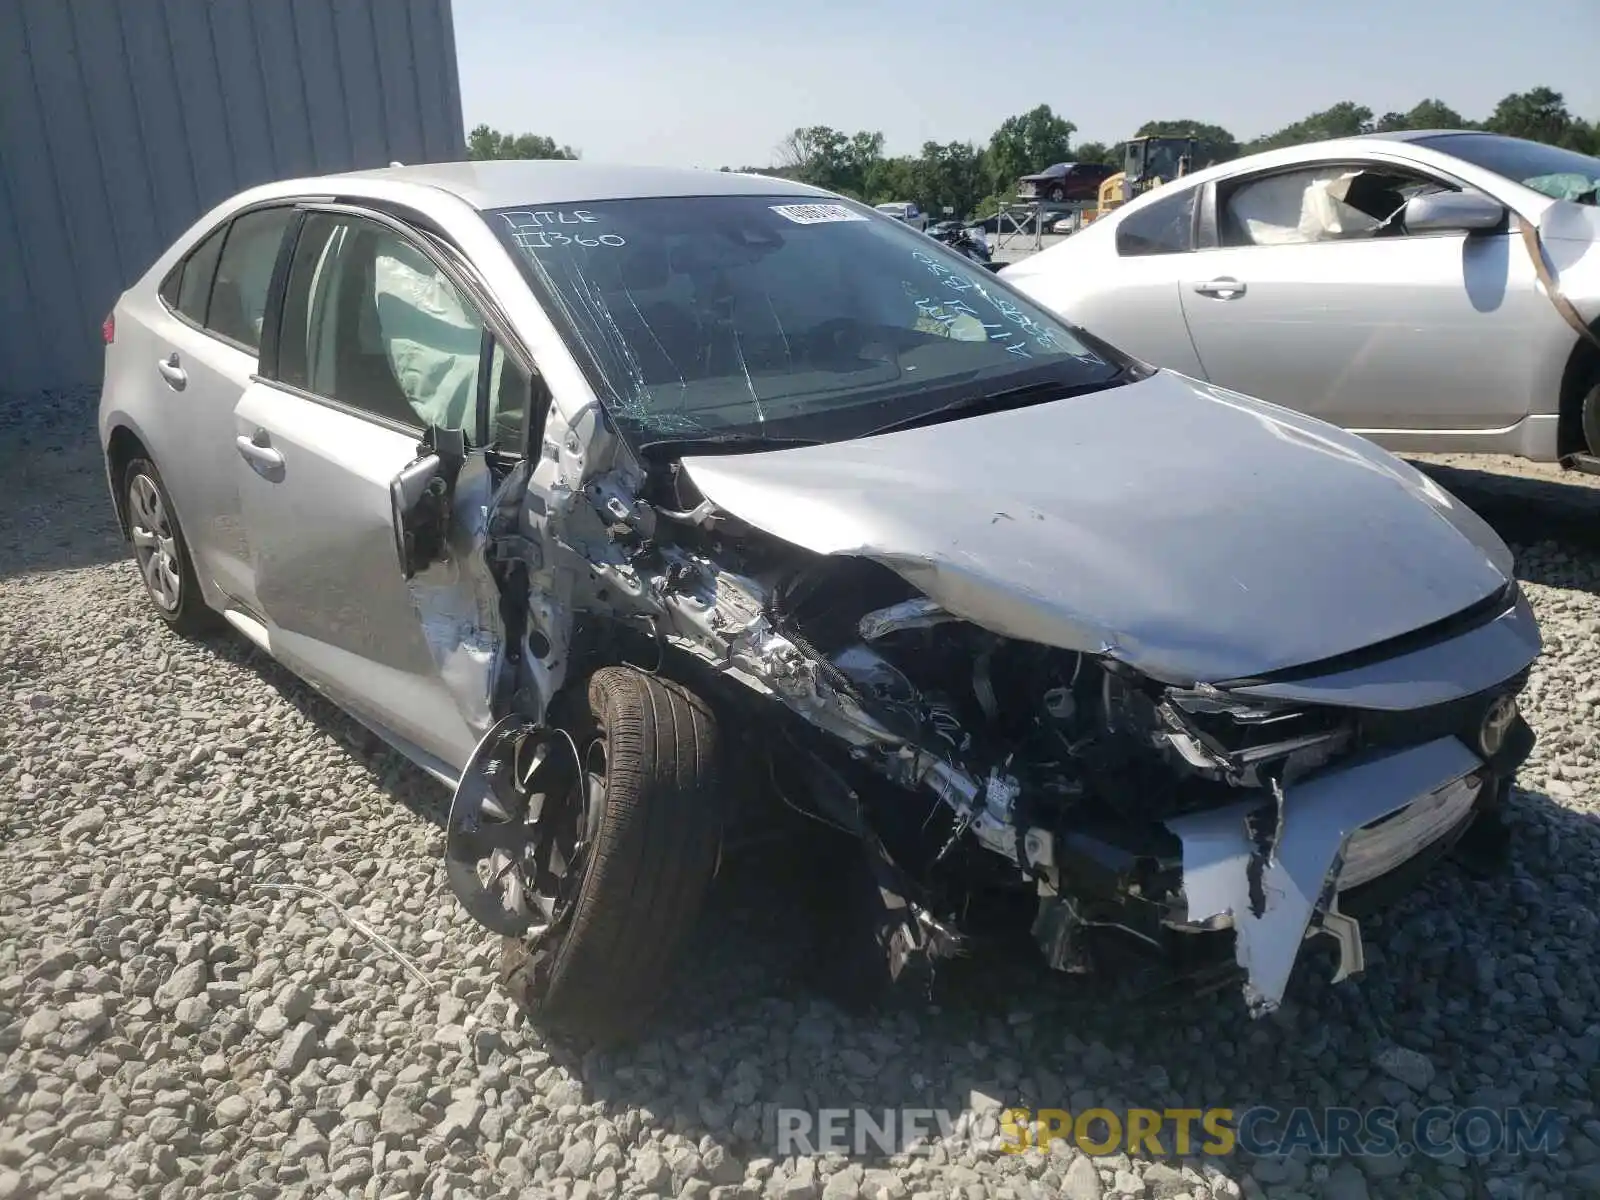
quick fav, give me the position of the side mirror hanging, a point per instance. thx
(419, 500)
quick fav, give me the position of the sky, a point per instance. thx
(716, 83)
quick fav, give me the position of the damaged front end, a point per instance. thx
(1139, 814)
(1191, 822)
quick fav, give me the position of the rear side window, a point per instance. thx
(195, 275)
(171, 284)
(1164, 227)
(244, 270)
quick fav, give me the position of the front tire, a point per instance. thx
(165, 565)
(655, 832)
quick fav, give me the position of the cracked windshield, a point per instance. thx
(757, 315)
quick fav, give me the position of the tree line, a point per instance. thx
(483, 142)
(974, 180)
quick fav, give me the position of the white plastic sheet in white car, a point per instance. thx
(1297, 207)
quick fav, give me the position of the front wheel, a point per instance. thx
(645, 831)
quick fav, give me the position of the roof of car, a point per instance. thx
(1409, 135)
(1289, 156)
(502, 183)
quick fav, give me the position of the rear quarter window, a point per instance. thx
(1165, 226)
(195, 274)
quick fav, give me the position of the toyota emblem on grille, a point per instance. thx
(1496, 724)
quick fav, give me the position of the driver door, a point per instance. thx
(377, 348)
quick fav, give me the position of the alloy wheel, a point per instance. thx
(155, 546)
(520, 828)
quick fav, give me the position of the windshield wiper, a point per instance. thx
(987, 402)
(721, 443)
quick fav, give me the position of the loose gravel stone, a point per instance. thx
(86, 824)
(272, 1021)
(298, 1047)
(187, 981)
(187, 1008)
(39, 1026)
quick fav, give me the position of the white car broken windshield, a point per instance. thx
(769, 317)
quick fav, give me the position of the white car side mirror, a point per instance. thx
(1452, 212)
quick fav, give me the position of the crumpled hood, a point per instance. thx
(1194, 533)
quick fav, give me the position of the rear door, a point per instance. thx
(1317, 306)
(377, 343)
(206, 346)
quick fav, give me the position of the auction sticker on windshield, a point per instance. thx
(816, 214)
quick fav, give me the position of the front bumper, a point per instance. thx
(1270, 888)
(1346, 842)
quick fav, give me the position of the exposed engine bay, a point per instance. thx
(965, 760)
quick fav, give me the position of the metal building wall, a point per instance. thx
(121, 121)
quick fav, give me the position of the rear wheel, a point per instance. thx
(163, 556)
(613, 900)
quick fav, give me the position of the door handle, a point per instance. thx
(172, 372)
(263, 459)
(1223, 288)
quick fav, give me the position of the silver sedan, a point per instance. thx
(641, 505)
(1382, 283)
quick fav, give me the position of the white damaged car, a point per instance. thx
(625, 500)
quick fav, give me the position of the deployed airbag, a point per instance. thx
(432, 340)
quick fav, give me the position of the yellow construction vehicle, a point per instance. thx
(1147, 163)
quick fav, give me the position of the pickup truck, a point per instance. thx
(1065, 181)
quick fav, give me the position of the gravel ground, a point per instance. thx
(205, 870)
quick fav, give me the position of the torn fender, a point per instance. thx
(1272, 892)
(1190, 532)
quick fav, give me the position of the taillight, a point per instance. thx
(108, 327)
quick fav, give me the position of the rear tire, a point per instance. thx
(165, 565)
(1589, 417)
(654, 847)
